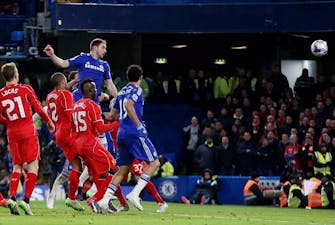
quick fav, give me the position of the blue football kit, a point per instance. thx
(88, 67)
(132, 143)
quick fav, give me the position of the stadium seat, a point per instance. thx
(16, 39)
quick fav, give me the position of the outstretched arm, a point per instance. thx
(111, 87)
(49, 51)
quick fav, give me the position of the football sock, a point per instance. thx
(151, 189)
(92, 190)
(30, 184)
(118, 193)
(141, 183)
(102, 185)
(83, 177)
(73, 183)
(108, 194)
(14, 183)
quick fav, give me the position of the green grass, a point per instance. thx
(177, 214)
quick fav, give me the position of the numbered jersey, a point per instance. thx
(135, 94)
(137, 167)
(60, 104)
(85, 114)
(16, 101)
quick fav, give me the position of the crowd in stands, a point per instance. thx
(258, 124)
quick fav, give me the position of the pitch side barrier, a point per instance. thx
(230, 192)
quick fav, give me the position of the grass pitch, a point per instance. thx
(176, 214)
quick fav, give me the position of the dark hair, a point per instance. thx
(56, 78)
(72, 74)
(84, 85)
(97, 42)
(8, 71)
(134, 73)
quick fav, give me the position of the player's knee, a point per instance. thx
(154, 164)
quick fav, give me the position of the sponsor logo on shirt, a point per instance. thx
(93, 67)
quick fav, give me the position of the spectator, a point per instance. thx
(304, 88)
(205, 191)
(264, 158)
(246, 151)
(205, 155)
(165, 168)
(292, 150)
(188, 88)
(224, 156)
(190, 143)
(279, 82)
(225, 119)
(208, 119)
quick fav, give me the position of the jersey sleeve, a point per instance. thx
(35, 103)
(95, 115)
(77, 60)
(116, 103)
(135, 94)
(95, 112)
(67, 101)
(107, 73)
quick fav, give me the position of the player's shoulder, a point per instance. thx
(84, 54)
(65, 92)
(25, 87)
(103, 61)
(136, 90)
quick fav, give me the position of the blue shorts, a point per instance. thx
(140, 148)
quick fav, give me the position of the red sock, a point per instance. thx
(14, 183)
(102, 185)
(1, 197)
(30, 184)
(118, 193)
(151, 189)
(73, 183)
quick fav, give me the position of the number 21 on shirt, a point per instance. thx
(11, 108)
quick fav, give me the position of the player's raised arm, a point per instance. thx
(62, 63)
(111, 87)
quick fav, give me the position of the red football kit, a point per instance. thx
(88, 125)
(16, 101)
(60, 104)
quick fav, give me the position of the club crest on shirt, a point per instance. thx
(168, 189)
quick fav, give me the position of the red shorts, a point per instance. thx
(97, 159)
(24, 150)
(68, 146)
(137, 167)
